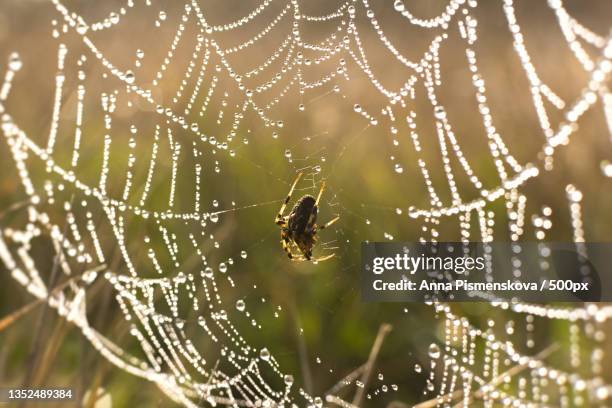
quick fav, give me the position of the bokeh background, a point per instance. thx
(311, 316)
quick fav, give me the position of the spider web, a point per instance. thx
(107, 223)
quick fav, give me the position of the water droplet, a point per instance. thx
(606, 168)
(398, 168)
(214, 217)
(318, 402)
(264, 354)
(288, 378)
(243, 254)
(418, 368)
(129, 77)
(357, 108)
(602, 392)
(434, 351)
(240, 305)
(15, 62)
(139, 53)
(439, 112)
(288, 153)
(222, 267)
(381, 376)
(573, 194)
(398, 6)
(81, 28)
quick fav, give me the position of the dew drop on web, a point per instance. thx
(434, 351)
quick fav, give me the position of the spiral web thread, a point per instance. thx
(170, 358)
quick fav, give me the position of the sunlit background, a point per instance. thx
(338, 130)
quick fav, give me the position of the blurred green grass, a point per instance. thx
(338, 328)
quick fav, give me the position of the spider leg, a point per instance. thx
(279, 217)
(320, 193)
(286, 246)
(301, 258)
(316, 205)
(298, 258)
(323, 258)
(307, 256)
(287, 250)
(322, 227)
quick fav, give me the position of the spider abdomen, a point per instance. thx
(299, 228)
(303, 215)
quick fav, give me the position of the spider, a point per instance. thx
(299, 228)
